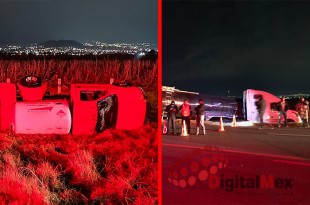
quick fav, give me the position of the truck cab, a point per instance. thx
(271, 115)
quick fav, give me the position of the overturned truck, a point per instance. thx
(90, 108)
(215, 106)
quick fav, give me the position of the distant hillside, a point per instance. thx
(62, 43)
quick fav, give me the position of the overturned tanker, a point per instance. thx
(89, 108)
(214, 106)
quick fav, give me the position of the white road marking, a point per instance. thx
(292, 162)
(288, 134)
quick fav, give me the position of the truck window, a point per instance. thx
(257, 96)
(92, 95)
(274, 106)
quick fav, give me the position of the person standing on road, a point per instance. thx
(200, 117)
(261, 107)
(171, 110)
(282, 108)
(185, 109)
(302, 107)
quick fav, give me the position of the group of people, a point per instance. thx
(302, 107)
(186, 113)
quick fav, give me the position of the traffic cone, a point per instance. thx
(221, 128)
(184, 129)
(165, 127)
(234, 122)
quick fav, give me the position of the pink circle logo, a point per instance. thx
(198, 166)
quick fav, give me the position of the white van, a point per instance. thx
(271, 115)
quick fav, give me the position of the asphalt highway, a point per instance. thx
(238, 166)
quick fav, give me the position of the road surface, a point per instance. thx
(239, 166)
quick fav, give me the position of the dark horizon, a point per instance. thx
(225, 47)
(36, 21)
(38, 43)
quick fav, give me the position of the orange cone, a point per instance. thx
(234, 122)
(184, 129)
(165, 127)
(221, 128)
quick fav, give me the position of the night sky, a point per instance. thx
(29, 21)
(214, 47)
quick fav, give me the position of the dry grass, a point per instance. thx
(113, 167)
(19, 185)
(141, 73)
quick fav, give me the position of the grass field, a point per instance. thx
(113, 167)
(142, 73)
